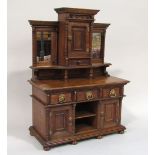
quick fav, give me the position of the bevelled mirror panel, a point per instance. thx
(96, 45)
(43, 46)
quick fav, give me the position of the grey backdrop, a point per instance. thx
(126, 49)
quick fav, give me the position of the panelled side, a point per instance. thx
(39, 118)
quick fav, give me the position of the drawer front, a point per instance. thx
(79, 62)
(61, 98)
(87, 95)
(111, 92)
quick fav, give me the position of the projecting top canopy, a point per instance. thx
(76, 14)
(76, 11)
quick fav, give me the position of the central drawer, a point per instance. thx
(86, 95)
(79, 62)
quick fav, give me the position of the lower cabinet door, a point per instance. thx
(61, 121)
(109, 113)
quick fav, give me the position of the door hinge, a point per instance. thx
(70, 38)
(50, 114)
(50, 132)
(88, 29)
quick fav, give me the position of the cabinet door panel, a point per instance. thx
(109, 114)
(78, 40)
(61, 121)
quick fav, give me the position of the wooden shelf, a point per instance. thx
(69, 67)
(83, 114)
(83, 127)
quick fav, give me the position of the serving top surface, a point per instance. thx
(47, 85)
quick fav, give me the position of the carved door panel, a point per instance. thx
(61, 121)
(78, 39)
(109, 113)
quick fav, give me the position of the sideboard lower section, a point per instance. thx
(70, 115)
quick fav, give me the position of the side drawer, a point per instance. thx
(112, 92)
(87, 95)
(61, 97)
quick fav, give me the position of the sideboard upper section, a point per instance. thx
(73, 40)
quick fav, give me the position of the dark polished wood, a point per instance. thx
(73, 96)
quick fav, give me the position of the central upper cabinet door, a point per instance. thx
(78, 40)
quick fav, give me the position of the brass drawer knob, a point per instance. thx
(89, 95)
(70, 118)
(61, 98)
(112, 93)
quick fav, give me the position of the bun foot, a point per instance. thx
(46, 148)
(31, 131)
(99, 137)
(74, 142)
(121, 132)
(31, 134)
